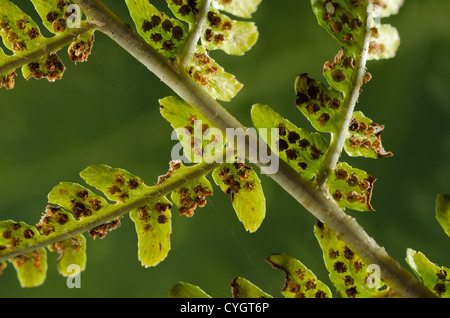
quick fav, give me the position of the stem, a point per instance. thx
(195, 34)
(170, 185)
(311, 197)
(338, 139)
(52, 45)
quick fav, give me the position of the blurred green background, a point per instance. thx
(106, 111)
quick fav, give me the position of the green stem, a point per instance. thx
(307, 194)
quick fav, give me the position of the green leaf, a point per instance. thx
(300, 281)
(117, 184)
(231, 36)
(365, 138)
(191, 195)
(50, 67)
(386, 8)
(207, 73)
(78, 200)
(71, 252)
(302, 150)
(350, 275)
(153, 227)
(340, 72)
(247, 197)
(22, 36)
(351, 188)
(152, 220)
(185, 10)
(436, 278)
(54, 14)
(200, 140)
(19, 32)
(384, 42)
(31, 268)
(242, 8)
(164, 34)
(344, 20)
(320, 104)
(242, 288)
(443, 211)
(185, 290)
(16, 235)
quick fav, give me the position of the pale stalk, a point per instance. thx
(338, 140)
(195, 33)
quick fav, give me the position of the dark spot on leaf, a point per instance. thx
(332, 253)
(161, 207)
(440, 289)
(312, 108)
(33, 33)
(62, 218)
(348, 280)
(282, 129)
(143, 213)
(113, 190)
(162, 219)
(119, 180)
(168, 46)
(311, 284)
(156, 37)
(282, 145)
(167, 25)
(338, 196)
(353, 180)
(214, 19)
(315, 152)
(177, 33)
(7, 234)
(133, 184)
(323, 119)
(348, 253)
(341, 174)
(96, 204)
(101, 230)
(59, 25)
(15, 226)
(52, 16)
(441, 275)
(302, 99)
(123, 197)
(293, 137)
(291, 154)
(83, 194)
(358, 265)
(335, 104)
(320, 294)
(340, 267)
(351, 292)
(313, 91)
(304, 143)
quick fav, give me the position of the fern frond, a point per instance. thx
(203, 142)
(75, 209)
(434, 277)
(32, 51)
(172, 38)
